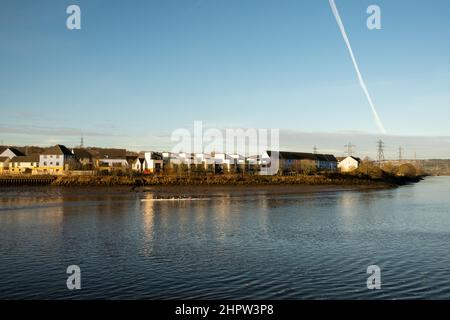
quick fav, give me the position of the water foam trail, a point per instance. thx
(176, 199)
(355, 64)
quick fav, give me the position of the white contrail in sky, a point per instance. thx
(355, 64)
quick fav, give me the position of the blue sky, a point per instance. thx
(137, 70)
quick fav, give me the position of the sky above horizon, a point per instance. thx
(138, 70)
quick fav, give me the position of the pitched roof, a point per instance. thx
(58, 149)
(326, 157)
(352, 157)
(140, 160)
(82, 153)
(108, 153)
(285, 155)
(15, 151)
(3, 159)
(131, 159)
(30, 158)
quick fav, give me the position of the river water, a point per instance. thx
(226, 243)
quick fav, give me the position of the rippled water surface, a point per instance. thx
(229, 243)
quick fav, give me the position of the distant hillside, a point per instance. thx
(435, 166)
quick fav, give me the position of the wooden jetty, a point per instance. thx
(26, 180)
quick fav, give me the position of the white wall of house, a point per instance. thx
(203, 158)
(237, 159)
(265, 159)
(348, 164)
(185, 158)
(222, 159)
(151, 164)
(169, 156)
(52, 160)
(22, 166)
(253, 161)
(137, 165)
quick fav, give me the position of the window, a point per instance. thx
(45, 163)
(57, 163)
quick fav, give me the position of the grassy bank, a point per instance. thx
(234, 179)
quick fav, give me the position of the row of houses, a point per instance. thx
(54, 160)
(61, 160)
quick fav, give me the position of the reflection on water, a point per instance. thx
(234, 243)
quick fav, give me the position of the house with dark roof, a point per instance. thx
(139, 164)
(108, 153)
(84, 157)
(326, 162)
(148, 162)
(289, 162)
(110, 159)
(57, 160)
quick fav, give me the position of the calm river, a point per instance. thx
(225, 243)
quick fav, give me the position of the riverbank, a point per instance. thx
(237, 179)
(325, 179)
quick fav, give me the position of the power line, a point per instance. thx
(380, 151)
(81, 142)
(315, 150)
(349, 149)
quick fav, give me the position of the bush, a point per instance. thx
(406, 170)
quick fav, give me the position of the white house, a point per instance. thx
(222, 158)
(153, 162)
(222, 161)
(168, 156)
(56, 160)
(203, 159)
(184, 158)
(349, 164)
(138, 164)
(254, 160)
(237, 159)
